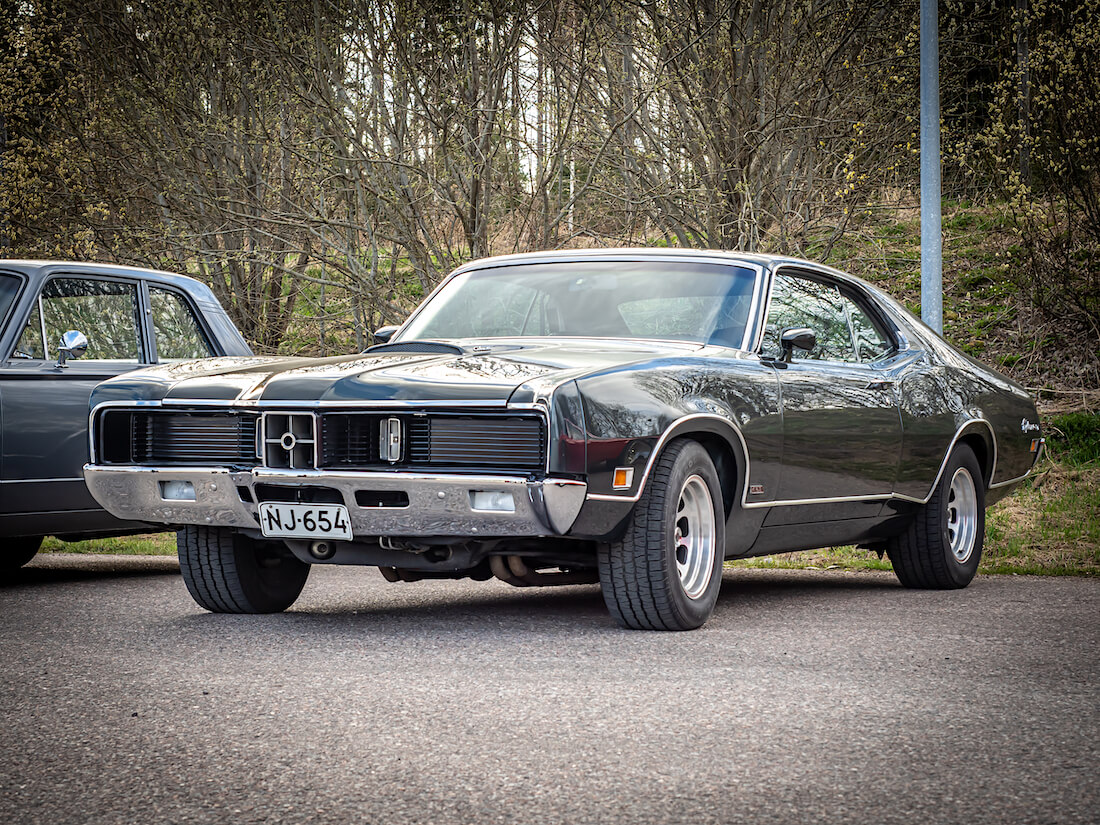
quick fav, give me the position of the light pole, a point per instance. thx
(931, 241)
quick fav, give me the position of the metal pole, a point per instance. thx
(931, 242)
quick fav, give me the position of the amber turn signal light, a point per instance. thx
(623, 478)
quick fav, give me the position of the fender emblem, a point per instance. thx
(1027, 427)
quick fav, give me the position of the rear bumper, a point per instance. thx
(439, 505)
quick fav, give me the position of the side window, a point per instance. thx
(871, 342)
(176, 329)
(105, 311)
(798, 302)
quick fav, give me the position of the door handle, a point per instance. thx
(879, 385)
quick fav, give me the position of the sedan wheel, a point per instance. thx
(665, 573)
(227, 572)
(942, 547)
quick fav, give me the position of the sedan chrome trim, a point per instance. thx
(800, 502)
(438, 505)
(251, 403)
(292, 406)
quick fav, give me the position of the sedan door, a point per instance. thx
(841, 424)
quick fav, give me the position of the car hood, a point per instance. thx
(483, 372)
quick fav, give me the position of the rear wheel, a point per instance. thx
(665, 572)
(942, 547)
(227, 572)
(18, 551)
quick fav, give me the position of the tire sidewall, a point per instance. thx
(270, 581)
(962, 573)
(693, 460)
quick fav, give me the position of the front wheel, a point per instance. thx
(666, 571)
(942, 547)
(227, 572)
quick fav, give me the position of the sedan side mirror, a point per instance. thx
(801, 337)
(73, 344)
(382, 335)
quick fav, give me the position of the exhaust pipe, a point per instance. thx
(514, 571)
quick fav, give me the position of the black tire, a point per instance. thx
(639, 575)
(18, 551)
(943, 546)
(227, 572)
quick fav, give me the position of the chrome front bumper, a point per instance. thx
(439, 505)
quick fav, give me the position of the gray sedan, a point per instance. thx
(64, 327)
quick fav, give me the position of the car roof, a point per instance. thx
(41, 269)
(646, 253)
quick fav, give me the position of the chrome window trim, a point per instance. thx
(609, 256)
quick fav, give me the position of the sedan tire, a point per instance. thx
(666, 571)
(942, 547)
(227, 572)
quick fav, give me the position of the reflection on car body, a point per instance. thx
(631, 417)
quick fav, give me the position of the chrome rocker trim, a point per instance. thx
(439, 505)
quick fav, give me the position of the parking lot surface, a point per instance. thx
(809, 697)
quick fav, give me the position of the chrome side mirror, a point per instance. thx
(382, 335)
(801, 337)
(73, 344)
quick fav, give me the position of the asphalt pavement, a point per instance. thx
(809, 697)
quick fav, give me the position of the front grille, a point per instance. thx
(169, 437)
(482, 442)
(509, 442)
(290, 440)
(476, 442)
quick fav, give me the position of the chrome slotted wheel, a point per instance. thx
(962, 515)
(695, 537)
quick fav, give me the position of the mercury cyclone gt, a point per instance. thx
(632, 417)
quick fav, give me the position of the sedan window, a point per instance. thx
(105, 311)
(798, 302)
(871, 342)
(9, 288)
(620, 299)
(176, 329)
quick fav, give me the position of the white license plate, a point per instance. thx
(305, 521)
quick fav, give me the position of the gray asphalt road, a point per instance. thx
(809, 697)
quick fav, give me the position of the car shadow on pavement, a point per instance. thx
(57, 568)
(445, 608)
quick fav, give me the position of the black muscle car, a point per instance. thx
(114, 319)
(631, 417)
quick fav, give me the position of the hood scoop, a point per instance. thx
(431, 347)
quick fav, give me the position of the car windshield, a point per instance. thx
(703, 302)
(9, 288)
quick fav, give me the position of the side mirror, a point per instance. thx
(382, 335)
(801, 337)
(73, 344)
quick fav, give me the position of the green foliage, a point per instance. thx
(149, 544)
(1075, 438)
